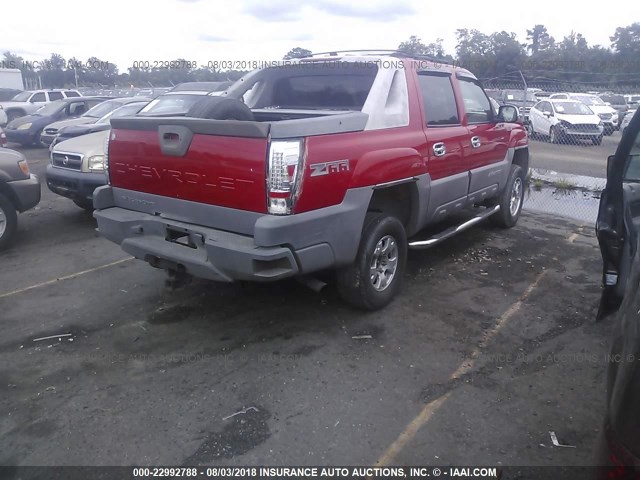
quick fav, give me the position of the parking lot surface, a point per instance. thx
(491, 346)
(582, 158)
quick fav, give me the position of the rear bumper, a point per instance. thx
(74, 184)
(214, 254)
(277, 248)
(27, 192)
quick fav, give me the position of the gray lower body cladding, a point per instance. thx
(26, 192)
(225, 247)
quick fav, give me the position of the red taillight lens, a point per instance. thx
(284, 175)
(620, 463)
(106, 158)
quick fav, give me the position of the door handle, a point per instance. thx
(439, 149)
(475, 142)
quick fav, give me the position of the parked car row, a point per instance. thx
(27, 102)
(27, 129)
(77, 160)
(16, 103)
(52, 131)
(609, 115)
(77, 129)
(610, 108)
(564, 120)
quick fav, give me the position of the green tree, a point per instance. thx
(475, 52)
(297, 52)
(539, 39)
(414, 46)
(507, 51)
(626, 40)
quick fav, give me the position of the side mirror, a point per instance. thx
(508, 114)
(548, 114)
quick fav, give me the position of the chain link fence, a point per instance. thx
(572, 130)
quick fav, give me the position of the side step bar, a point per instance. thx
(450, 232)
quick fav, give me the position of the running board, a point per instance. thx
(450, 232)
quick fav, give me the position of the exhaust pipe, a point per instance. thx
(312, 282)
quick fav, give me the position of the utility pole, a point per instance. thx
(523, 80)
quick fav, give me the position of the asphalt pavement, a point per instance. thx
(582, 158)
(491, 346)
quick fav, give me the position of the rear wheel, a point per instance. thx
(8, 222)
(375, 277)
(511, 200)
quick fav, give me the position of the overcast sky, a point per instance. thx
(205, 30)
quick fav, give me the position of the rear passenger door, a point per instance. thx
(486, 151)
(446, 137)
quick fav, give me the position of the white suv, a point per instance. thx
(607, 113)
(27, 102)
(563, 121)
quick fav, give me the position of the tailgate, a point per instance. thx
(215, 162)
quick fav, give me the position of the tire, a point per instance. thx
(8, 222)
(554, 135)
(36, 141)
(381, 233)
(86, 205)
(597, 140)
(529, 129)
(509, 212)
(221, 108)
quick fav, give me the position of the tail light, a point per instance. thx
(106, 158)
(284, 175)
(620, 463)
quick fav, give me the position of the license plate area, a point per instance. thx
(182, 236)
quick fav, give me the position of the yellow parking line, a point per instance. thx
(502, 321)
(66, 277)
(431, 408)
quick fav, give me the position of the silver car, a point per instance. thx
(626, 120)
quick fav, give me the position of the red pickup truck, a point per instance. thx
(322, 163)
